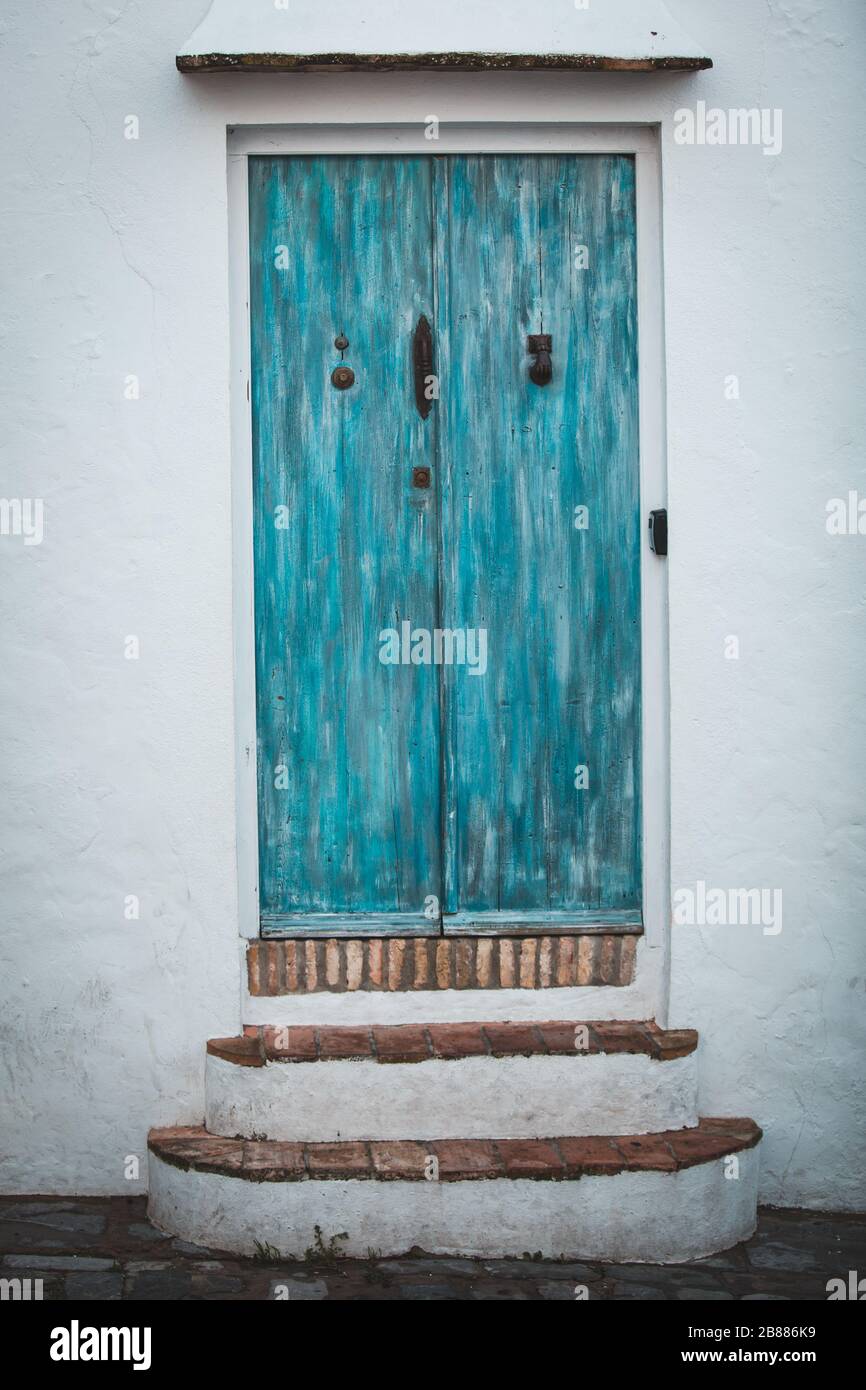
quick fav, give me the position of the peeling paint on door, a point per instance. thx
(406, 795)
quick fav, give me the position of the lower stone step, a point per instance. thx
(656, 1198)
(479, 1080)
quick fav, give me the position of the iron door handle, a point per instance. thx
(422, 364)
(540, 347)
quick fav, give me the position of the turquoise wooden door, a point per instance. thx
(447, 550)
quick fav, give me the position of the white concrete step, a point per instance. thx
(657, 1198)
(478, 1080)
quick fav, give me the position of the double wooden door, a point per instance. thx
(447, 542)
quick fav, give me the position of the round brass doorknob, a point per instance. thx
(343, 378)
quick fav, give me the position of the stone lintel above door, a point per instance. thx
(618, 35)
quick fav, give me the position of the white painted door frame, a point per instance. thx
(467, 138)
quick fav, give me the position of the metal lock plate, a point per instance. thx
(420, 477)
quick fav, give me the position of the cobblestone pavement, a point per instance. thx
(105, 1248)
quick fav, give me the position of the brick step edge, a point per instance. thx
(412, 1042)
(458, 1160)
(338, 965)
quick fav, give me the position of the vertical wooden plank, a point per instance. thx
(561, 605)
(448, 558)
(344, 545)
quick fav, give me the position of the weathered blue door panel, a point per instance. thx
(513, 797)
(348, 751)
(541, 244)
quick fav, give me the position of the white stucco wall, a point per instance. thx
(119, 774)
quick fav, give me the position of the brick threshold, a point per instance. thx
(410, 1043)
(340, 965)
(457, 1160)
